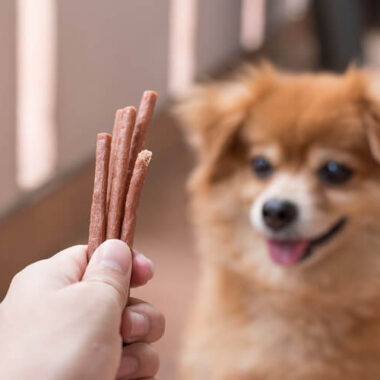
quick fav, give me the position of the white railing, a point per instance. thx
(67, 65)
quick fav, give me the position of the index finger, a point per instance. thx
(61, 270)
(142, 269)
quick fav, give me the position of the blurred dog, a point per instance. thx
(286, 205)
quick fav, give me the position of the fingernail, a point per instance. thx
(128, 366)
(115, 254)
(139, 326)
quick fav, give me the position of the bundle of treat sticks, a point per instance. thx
(120, 170)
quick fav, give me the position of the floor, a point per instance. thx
(164, 235)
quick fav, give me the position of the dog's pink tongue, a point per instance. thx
(286, 252)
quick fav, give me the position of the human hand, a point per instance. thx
(65, 320)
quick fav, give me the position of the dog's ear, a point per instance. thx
(364, 88)
(212, 116)
(210, 113)
(372, 127)
(372, 114)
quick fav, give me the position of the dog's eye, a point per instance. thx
(334, 173)
(261, 167)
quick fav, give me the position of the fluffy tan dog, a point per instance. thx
(286, 205)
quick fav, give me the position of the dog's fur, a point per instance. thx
(254, 319)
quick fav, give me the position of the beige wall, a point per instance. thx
(218, 33)
(8, 190)
(108, 53)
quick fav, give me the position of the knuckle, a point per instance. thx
(23, 275)
(101, 294)
(156, 319)
(155, 360)
(110, 285)
(149, 355)
(157, 323)
(158, 326)
(162, 325)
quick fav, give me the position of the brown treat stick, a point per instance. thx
(98, 216)
(119, 175)
(133, 196)
(143, 120)
(115, 133)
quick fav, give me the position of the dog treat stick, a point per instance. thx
(97, 230)
(144, 118)
(133, 196)
(119, 175)
(115, 132)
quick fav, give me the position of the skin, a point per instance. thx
(65, 319)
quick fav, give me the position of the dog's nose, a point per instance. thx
(279, 213)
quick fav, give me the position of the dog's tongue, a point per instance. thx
(287, 252)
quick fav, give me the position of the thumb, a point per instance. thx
(111, 265)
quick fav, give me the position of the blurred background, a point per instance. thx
(67, 65)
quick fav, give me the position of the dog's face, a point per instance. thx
(288, 181)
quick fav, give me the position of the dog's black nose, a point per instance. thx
(279, 213)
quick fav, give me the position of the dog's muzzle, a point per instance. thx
(289, 252)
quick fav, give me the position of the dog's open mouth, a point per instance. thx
(289, 252)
